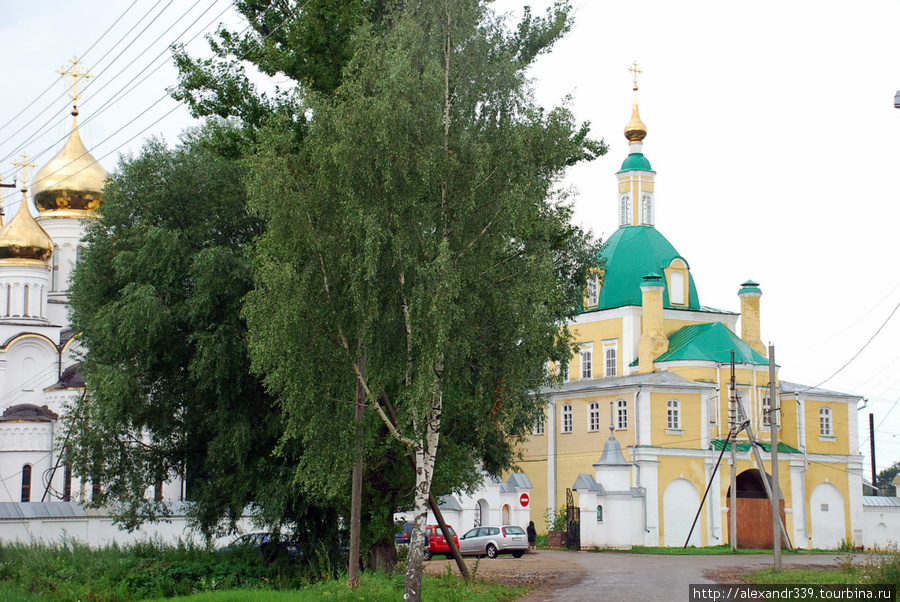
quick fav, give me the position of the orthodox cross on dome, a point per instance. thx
(636, 71)
(74, 74)
(25, 176)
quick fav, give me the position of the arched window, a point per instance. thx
(67, 483)
(825, 428)
(673, 414)
(676, 288)
(567, 418)
(621, 414)
(26, 483)
(158, 491)
(610, 363)
(25, 299)
(647, 210)
(587, 363)
(625, 210)
(594, 416)
(599, 514)
(8, 300)
(54, 269)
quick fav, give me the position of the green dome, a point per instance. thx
(636, 162)
(631, 253)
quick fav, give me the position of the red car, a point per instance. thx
(435, 543)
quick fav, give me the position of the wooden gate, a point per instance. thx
(754, 523)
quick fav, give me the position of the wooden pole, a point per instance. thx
(776, 492)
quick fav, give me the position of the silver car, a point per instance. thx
(492, 541)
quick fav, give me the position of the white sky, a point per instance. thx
(771, 129)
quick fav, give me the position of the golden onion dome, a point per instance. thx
(23, 241)
(71, 184)
(635, 131)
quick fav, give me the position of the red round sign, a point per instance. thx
(524, 499)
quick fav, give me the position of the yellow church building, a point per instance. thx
(634, 434)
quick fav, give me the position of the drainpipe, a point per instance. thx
(637, 435)
(551, 456)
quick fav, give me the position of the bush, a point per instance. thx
(73, 571)
(556, 522)
(883, 567)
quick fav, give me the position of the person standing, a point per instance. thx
(532, 538)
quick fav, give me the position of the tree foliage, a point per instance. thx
(885, 478)
(414, 247)
(156, 297)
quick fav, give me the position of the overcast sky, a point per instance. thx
(770, 125)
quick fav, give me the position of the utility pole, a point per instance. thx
(872, 450)
(732, 430)
(776, 492)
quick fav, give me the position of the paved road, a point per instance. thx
(616, 577)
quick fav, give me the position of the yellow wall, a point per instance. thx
(815, 443)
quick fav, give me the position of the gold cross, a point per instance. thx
(75, 74)
(636, 71)
(25, 165)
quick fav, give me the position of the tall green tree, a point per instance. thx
(156, 298)
(415, 249)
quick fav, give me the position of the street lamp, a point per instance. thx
(897, 100)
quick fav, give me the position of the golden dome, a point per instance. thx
(71, 184)
(635, 131)
(23, 240)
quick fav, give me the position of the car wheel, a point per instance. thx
(427, 555)
(491, 551)
(518, 554)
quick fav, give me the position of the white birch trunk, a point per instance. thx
(425, 453)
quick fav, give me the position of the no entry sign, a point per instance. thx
(524, 499)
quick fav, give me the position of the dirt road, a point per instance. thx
(619, 577)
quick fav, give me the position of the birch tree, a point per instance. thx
(416, 248)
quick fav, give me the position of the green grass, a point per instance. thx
(713, 551)
(802, 577)
(444, 588)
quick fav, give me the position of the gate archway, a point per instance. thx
(754, 512)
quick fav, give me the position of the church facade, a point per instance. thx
(632, 437)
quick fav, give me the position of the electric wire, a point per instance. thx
(164, 97)
(57, 98)
(118, 95)
(50, 87)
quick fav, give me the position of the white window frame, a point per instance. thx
(826, 424)
(586, 354)
(625, 210)
(647, 209)
(566, 423)
(539, 428)
(676, 288)
(593, 290)
(673, 417)
(610, 366)
(593, 417)
(621, 415)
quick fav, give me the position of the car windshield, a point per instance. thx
(514, 530)
(471, 533)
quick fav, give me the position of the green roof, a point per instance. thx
(709, 342)
(636, 162)
(745, 446)
(631, 253)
